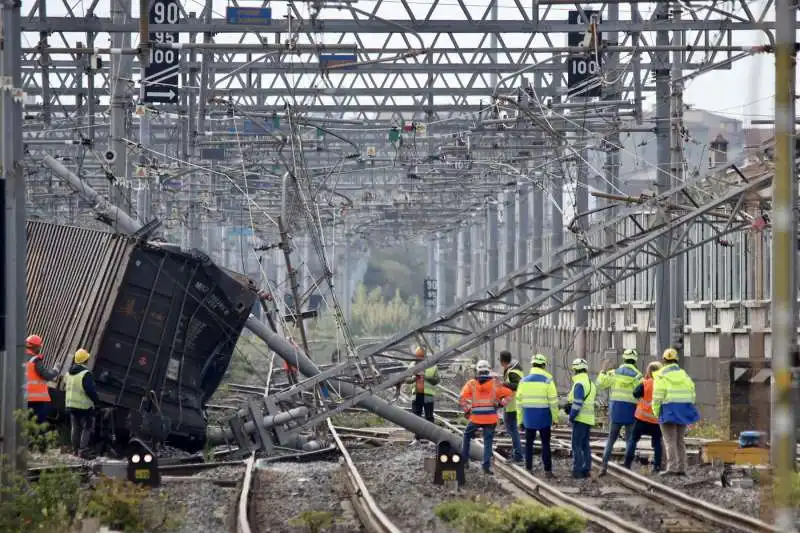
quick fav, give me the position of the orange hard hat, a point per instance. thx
(420, 351)
(33, 341)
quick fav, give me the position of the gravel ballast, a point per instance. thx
(283, 491)
(395, 476)
(205, 502)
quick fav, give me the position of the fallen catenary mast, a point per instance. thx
(120, 221)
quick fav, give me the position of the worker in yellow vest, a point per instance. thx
(674, 404)
(80, 401)
(422, 389)
(512, 375)
(581, 416)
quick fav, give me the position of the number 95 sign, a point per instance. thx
(161, 76)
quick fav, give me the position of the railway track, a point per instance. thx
(680, 511)
(369, 513)
(702, 511)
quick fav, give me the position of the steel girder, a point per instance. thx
(415, 55)
(587, 265)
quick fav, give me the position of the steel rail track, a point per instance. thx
(701, 510)
(667, 496)
(370, 514)
(551, 496)
(242, 514)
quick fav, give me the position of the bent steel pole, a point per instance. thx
(121, 221)
(784, 246)
(417, 425)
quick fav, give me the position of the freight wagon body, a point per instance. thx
(161, 326)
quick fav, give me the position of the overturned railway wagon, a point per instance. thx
(161, 325)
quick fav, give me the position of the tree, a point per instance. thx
(372, 315)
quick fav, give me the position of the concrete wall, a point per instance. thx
(716, 335)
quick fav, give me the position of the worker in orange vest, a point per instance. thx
(480, 399)
(646, 423)
(36, 377)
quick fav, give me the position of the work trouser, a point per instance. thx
(640, 429)
(581, 450)
(40, 410)
(613, 435)
(510, 421)
(423, 403)
(488, 439)
(530, 437)
(675, 446)
(81, 426)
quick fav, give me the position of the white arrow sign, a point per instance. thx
(170, 94)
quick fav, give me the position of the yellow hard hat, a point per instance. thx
(670, 354)
(81, 356)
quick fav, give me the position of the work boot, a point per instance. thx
(666, 473)
(518, 460)
(549, 475)
(488, 471)
(603, 471)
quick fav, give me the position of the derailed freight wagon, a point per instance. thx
(160, 324)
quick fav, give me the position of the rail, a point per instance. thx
(549, 495)
(370, 514)
(242, 520)
(705, 512)
(702, 510)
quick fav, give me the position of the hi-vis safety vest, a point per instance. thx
(672, 386)
(483, 400)
(586, 413)
(76, 397)
(511, 406)
(35, 386)
(622, 381)
(644, 409)
(422, 385)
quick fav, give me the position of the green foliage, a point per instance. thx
(795, 494)
(519, 517)
(57, 502)
(127, 507)
(704, 430)
(373, 315)
(313, 521)
(397, 269)
(38, 436)
(47, 505)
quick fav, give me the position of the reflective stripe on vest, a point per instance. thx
(484, 406)
(533, 394)
(76, 397)
(622, 386)
(35, 387)
(644, 409)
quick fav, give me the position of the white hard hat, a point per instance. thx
(580, 364)
(482, 367)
